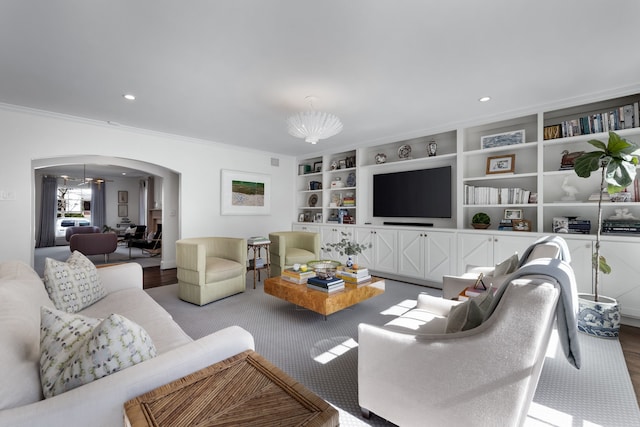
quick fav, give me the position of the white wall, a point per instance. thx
(28, 137)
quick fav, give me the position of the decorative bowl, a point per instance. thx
(325, 269)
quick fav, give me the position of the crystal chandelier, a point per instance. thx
(313, 125)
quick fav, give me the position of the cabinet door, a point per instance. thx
(505, 246)
(439, 256)
(581, 255)
(622, 283)
(474, 250)
(384, 248)
(382, 255)
(411, 253)
(366, 236)
(333, 234)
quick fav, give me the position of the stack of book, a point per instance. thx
(329, 286)
(258, 240)
(356, 276)
(622, 226)
(298, 277)
(348, 201)
(471, 292)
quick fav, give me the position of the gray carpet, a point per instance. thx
(323, 355)
(61, 253)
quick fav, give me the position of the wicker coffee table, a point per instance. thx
(245, 389)
(319, 301)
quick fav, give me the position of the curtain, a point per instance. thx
(98, 213)
(48, 213)
(142, 212)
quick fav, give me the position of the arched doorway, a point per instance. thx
(163, 208)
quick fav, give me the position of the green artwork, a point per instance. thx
(247, 193)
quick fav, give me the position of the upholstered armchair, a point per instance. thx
(292, 247)
(413, 371)
(211, 268)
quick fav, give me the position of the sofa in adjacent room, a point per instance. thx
(99, 402)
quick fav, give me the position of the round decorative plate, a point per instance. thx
(381, 158)
(313, 199)
(351, 180)
(404, 152)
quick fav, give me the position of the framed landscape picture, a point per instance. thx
(245, 193)
(501, 164)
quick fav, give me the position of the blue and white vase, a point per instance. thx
(599, 319)
(349, 261)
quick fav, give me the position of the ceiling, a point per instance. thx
(232, 71)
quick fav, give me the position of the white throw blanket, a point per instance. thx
(567, 308)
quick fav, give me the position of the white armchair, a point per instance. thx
(413, 373)
(486, 375)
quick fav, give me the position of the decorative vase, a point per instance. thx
(599, 319)
(432, 147)
(349, 261)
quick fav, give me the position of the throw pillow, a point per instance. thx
(75, 349)
(507, 266)
(74, 284)
(470, 313)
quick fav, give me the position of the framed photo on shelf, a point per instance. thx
(502, 139)
(318, 217)
(513, 214)
(317, 167)
(521, 225)
(505, 163)
(342, 164)
(301, 217)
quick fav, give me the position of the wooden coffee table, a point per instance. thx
(319, 301)
(245, 389)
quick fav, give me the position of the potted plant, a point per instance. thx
(481, 220)
(599, 315)
(347, 247)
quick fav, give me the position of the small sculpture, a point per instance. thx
(622, 214)
(570, 191)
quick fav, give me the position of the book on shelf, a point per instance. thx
(355, 280)
(258, 240)
(326, 290)
(325, 283)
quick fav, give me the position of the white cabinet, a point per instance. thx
(490, 249)
(333, 234)
(425, 255)
(623, 282)
(382, 254)
(581, 251)
(309, 228)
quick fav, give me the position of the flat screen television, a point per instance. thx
(424, 193)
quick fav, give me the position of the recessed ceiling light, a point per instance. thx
(129, 97)
(485, 99)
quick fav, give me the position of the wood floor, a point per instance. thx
(629, 336)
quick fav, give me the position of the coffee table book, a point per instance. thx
(331, 290)
(354, 280)
(325, 283)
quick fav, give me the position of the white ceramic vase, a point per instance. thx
(599, 319)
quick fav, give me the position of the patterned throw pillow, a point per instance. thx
(470, 314)
(75, 349)
(74, 284)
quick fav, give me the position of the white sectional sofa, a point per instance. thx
(101, 402)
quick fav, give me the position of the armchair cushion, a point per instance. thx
(218, 269)
(77, 350)
(74, 284)
(298, 256)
